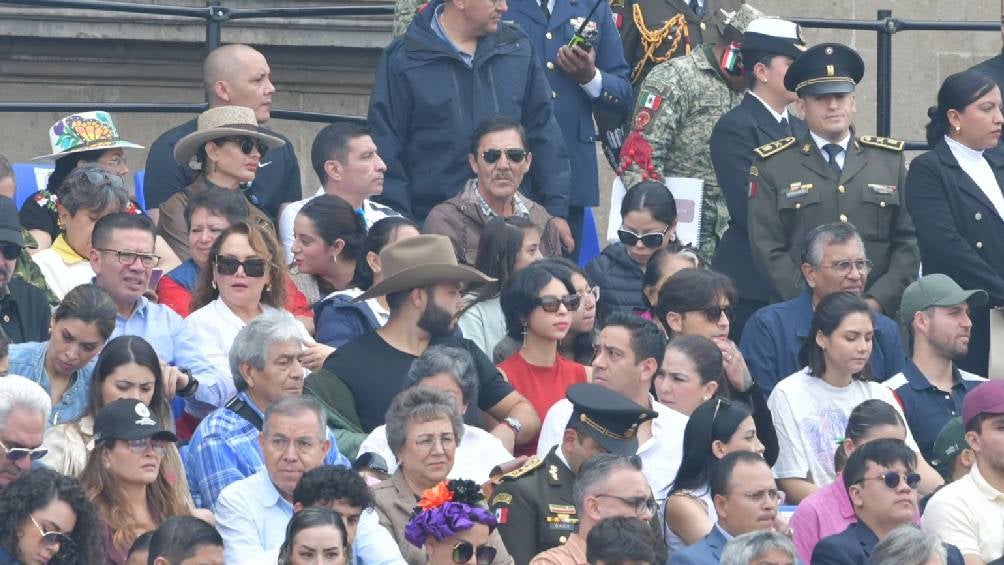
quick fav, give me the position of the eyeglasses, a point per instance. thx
(102, 177)
(50, 539)
(651, 240)
(302, 445)
(843, 268)
(552, 304)
(892, 479)
(139, 446)
(10, 251)
(148, 260)
(714, 313)
(226, 265)
(463, 551)
(593, 291)
(641, 504)
(15, 454)
(246, 144)
(428, 441)
(759, 496)
(491, 156)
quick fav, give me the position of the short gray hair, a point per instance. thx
(907, 545)
(743, 549)
(417, 405)
(255, 339)
(595, 471)
(19, 392)
(824, 235)
(453, 361)
(292, 406)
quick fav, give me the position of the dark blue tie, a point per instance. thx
(832, 149)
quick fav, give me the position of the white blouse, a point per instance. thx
(978, 169)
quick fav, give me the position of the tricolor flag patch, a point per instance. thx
(650, 100)
(501, 515)
(618, 20)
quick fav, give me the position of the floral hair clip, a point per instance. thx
(446, 509)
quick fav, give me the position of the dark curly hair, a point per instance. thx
(37, 489)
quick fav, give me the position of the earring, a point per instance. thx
(268, 288)
(524, 334)
(705, 397)
(214, 285)
(958, 129)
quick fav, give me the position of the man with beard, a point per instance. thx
(24, 310)
(500, 159)
(931, 388)
(423, 284)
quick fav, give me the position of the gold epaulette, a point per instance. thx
(773, 147)
(882, 142)
(532, 463)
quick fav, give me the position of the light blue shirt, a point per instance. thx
(252, 516)
(174, 343)
(28, 360)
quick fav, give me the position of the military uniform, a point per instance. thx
(679, 104)
(534, 507)
(29, 271)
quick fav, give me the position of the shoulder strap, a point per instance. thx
(881, 142)
(241, 408)
(773, 147)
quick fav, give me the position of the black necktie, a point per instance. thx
(543, 7)
(785, 126)
(832, 149)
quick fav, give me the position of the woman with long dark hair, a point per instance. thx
(811, 407)
(715, 429)
(315, 535)
(328, 239)
(691, 374)
(955, 194)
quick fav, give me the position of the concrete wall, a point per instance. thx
(327, 64)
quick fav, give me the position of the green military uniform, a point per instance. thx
(794, 188)
(679, 105)
(534, 507)
(404, 12)
(29, 271)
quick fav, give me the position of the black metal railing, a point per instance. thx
(215, 15)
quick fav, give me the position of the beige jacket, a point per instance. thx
(394, 501)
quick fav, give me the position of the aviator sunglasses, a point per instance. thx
(491, 156)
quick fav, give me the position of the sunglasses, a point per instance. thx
(10, 251)
(228, 266)
(18, 453)
(246, 144)
(714, 313)
(50, 539)
(101, 177)
(892, 479)
(651, 240)
(551, 304)
(463, 551)
(491, 156)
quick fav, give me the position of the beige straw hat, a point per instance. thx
(222, 121)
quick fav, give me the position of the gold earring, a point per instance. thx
(958, 129)
(214, 285)
(268, 288)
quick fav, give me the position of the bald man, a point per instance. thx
(232, 75)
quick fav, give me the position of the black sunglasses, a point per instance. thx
(551, 304)
(10, 251)
(102, 177)
(463, 551)
(892, 479)
(714, 313)
(228, 266)
(246, 144)
(491, 156)
(651, 240)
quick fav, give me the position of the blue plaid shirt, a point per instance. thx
(225, 450)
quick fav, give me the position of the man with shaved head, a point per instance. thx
(236, 75)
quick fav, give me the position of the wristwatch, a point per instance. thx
(513, 423)
(191, 388)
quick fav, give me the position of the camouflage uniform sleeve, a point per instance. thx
(29, 271)
(654, 125)
(404, 12)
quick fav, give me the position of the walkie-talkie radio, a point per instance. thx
(582, 38)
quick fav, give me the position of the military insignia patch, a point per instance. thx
(502, 515)
(765, 151)
(642, 118)
(502, 498)
(882, 188)
(882, 142)
(650, 100)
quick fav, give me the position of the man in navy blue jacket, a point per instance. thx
(581, 79)
(455, 66)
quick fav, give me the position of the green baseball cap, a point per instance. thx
(936, 290)
(950, 442)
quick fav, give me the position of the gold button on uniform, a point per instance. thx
(978, 216)
(554, 94)
(550, 66)
(841, 189)
(547, 35)
(843, 218)
(979, 245)
(882, 204)
(562, 539)
(703, 26)
(798, 205)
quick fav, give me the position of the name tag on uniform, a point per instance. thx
(797, 189)
(883, 188)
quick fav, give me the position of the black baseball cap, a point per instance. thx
(128, 419)
(608, 417)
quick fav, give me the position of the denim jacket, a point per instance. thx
(28, 360)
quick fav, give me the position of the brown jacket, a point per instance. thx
(173, 227)
(394, 501)
(461, 219)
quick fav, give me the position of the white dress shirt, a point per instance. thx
(777, 117)
(973, 164)
(660, 455)
(820, 142)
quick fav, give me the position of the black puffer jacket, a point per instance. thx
(619, 279)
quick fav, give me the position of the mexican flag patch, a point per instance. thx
(650, 101)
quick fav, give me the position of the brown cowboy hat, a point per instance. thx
(420, 261)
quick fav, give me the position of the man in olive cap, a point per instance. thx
(830, 175)
(24, 309)
(931, 388)
(534, 505)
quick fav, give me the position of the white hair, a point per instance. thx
(19, 392)
(753, 545)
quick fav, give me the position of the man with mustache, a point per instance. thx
(24, 309)
(24, 410)
(931, 387)
(500, 159)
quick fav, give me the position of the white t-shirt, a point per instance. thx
(810, 417)
(372, 213)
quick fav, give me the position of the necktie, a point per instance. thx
(785, 126)
(695, 6)
(543, 7)
(832, 149)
